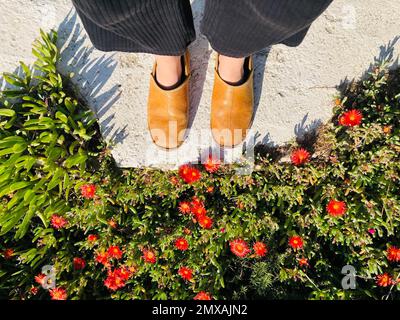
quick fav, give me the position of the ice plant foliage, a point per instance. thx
(132, 240)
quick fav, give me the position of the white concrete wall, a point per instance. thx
(295, 86)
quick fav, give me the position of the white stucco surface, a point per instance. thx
(294, 86)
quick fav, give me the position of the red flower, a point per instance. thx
(260, 249)
(212, 165)
(239, 248)
(174, 180)
(92, 237)
(196, 202)
(8, 253)
(303, 262)
(112, 224)
(184, 207)
(185, 273)
(189, 174)
(40, 279)
(351, 118)
(384, 280)
(88, 191)
(205, 222)
(124, 273)
(58, 222)
(34, 290)
(149, 256)
(210, 189)
(296, 242)
(300, 156)
(79, 263)
(336, 208)
(181, 244)
(393, 254)
(114, 252)
(58, 294)
(117, 278)
(198, 211)
(103, 259)
(202, 296)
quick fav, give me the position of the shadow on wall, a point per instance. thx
(92, 75)
(385, 55)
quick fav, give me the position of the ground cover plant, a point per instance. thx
(285, 231)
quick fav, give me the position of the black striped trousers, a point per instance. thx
(234, 28)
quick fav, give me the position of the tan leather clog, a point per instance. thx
(231, 108)
(167, 110)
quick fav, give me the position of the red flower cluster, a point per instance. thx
(197, 208)
(149, 256)
(260, 249)
(92, 237)
(58, 294)
(212, 164)
(58, 222)
(202, 296)
(8, 253)
(393, 254)
(79, 263)
(117, 278)
(300, 156)
(239, 248)
(103, 258)
(88, 191)
(336, 208)
(351, 118)
(114, 252)
(296, 242)
(185, 273)
(384, 280)
(181, 244)
(189, 174)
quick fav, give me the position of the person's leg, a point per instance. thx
(237, 29)
(164, 28)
